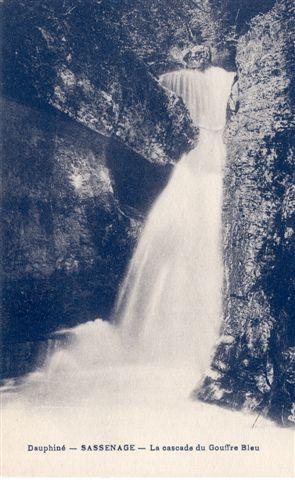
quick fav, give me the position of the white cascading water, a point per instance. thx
(169, 308)
(170, 304)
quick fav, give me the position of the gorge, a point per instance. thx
(89, 145)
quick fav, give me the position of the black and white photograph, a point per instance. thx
(147, 282)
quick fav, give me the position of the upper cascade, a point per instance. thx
(204, 93)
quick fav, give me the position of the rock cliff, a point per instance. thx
(255, 359)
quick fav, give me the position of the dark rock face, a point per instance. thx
(73, 203)
(254, 361)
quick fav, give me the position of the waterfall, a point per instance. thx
(169, 308)
(204, 93)
(170, 305)
(108, 385)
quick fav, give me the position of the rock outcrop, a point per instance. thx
(86, 60)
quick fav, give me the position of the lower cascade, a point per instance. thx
(169, 309)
